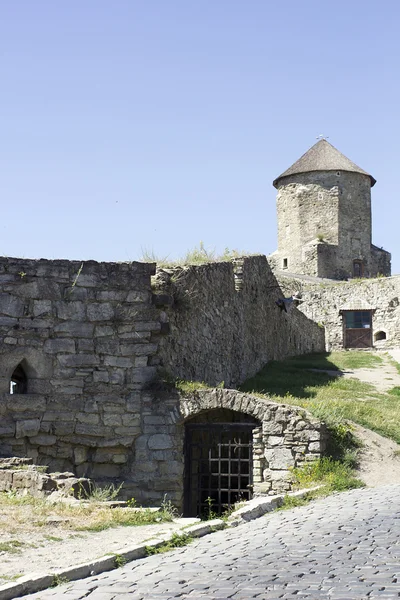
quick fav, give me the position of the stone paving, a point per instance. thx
(346, 546)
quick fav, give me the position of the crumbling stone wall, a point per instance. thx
(224, 324)
(85, 334)
(324, 301)
(90, 338)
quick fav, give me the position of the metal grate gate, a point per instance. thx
(218, 466)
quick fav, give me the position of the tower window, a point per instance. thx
(19, 381)
(285, 263)
(358, 268)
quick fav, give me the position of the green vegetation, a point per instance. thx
(196, 256)
(120, 561)
(177, 540)
(58, 580)
(333, 474)
(12, 546)
(100, 494)
(333, 399)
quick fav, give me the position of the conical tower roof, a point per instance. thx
(322, 157)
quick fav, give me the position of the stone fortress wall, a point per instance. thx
(323, 302)
(224, 323)
(90, 337)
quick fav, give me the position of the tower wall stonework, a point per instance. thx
(324, 207)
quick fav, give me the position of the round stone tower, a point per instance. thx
(324, 218)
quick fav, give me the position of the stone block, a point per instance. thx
(160, 441)
(101, 377)
(103, 330)
(314, 447)
(111, 295)
(78, 360)
(5, 481)
(117, 376)
(279, 458)
(75, 329)
(80, 455)
(53, 346)
(90, 418)
(133, 431)
(105, 470)
(274, 440)
(91, 430)
(100, 312)
(272, 428)
(134, 296)
(111, 420)
(42, 307)
(117, 361)
(131, 419)
(11, 306)
(43, 440)
(74, 311)
(29, 428)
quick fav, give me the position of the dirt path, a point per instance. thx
(52, 548)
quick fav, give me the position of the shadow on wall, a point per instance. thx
(224, 322)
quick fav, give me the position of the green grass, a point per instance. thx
(177, 540)
(333, 474)
(332, 399)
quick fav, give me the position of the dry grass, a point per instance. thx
(21, 514)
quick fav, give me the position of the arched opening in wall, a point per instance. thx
(218, 461)
(379, 335)
(19, 381)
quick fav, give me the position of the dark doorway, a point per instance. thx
(218, 461)
(357, 326)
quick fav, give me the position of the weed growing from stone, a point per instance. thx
(101, 494)
(120, 561)
(177, 540)
(58, 580)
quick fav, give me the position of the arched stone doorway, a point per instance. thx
(219, 448)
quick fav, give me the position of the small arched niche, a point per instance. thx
(380, 335)
(19, 380)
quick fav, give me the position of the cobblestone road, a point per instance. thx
(346, 546)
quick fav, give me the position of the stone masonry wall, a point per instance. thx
(85, 334)
(224, 324)
(329, 207)
(323, 302)
(90, 337)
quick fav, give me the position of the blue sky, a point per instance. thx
(131, 125)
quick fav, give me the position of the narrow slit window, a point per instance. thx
(285, 263)
(19, 381)
(358, 268)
